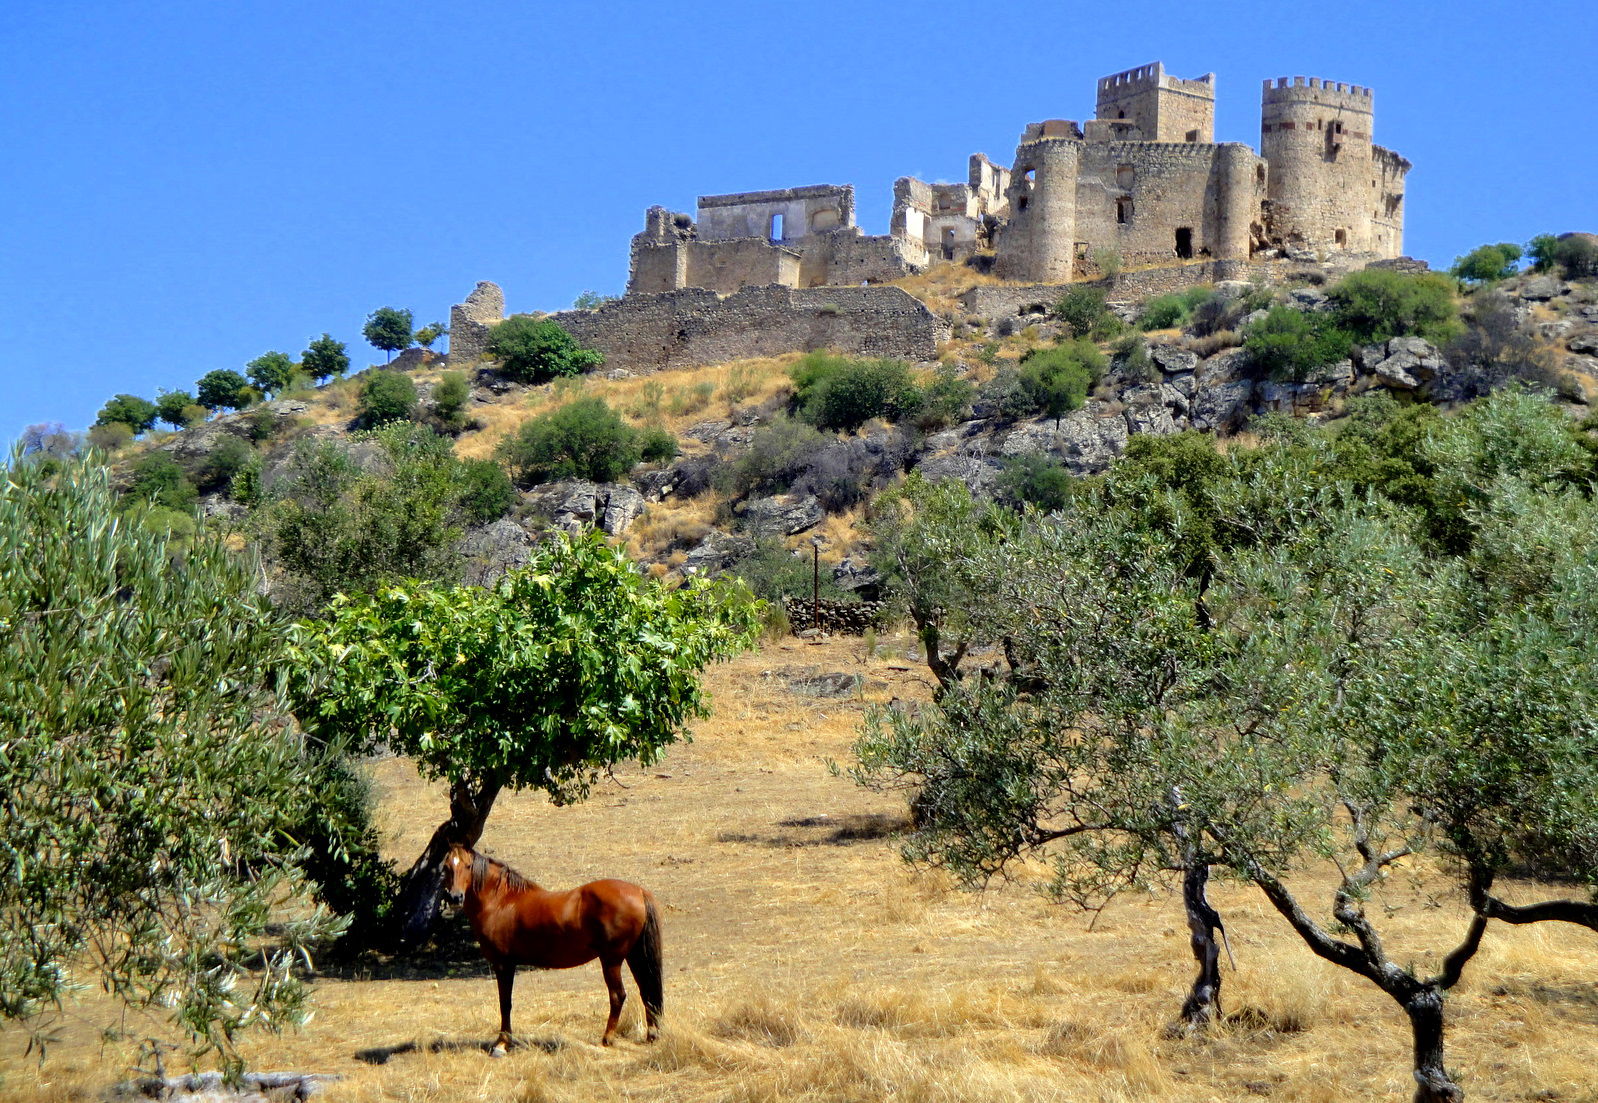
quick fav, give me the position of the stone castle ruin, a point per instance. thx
(1143, 181)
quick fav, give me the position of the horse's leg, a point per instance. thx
(506, 975)
(618, 996)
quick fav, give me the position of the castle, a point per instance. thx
(1143, 182)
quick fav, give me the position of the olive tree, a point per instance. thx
(567, 667)
(152, 777)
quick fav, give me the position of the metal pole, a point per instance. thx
(815, 586)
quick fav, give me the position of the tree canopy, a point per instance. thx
(272, 373)
(138, 414)
(536, 350)
(324, 358)
(389, 328)
(223, 389)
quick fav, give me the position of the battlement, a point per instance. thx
(1314, 90)
(1052, 128)
(1154, 76)
(780, 195)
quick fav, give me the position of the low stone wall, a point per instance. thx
(694, 326)
(1144, 283)
(850, 618)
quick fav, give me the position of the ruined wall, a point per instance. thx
(695, 326)
(728, 265)
(470, 322)
(1038, 242)
(1163, 108)
(812, 209)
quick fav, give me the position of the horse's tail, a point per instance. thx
(645, 960)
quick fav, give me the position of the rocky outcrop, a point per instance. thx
(784, 514)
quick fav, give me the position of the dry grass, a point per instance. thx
(805, 962)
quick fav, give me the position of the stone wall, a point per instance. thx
(470, 322)
(695, 326)
(800, 211)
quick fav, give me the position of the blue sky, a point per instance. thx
(187, 185)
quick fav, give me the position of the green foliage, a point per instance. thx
(836, 393)
(1541, 251)
(584, 439)
(177, 409)
(386, 396)
(779, 453)
(325, 358)
(536, 350)
(329, 525)
(431, 332)
(160, 480)
(1132, 360)
(151, 778)
(1289, 344)
(1170, 311)
(591, 300)
(223, 389)
(272, 373)
(1003, 399)
(1035, 480)
(1487, 263)
(1083, 312)
(1376, 304)
(569, 666)
(111, 437)
(1057, 380)
(774, 572)
(138, 414)
(658, 445)
(389, 329)
(943, 401)
(1577, 256)
(486, 493)
(449, 399)
(230, 456)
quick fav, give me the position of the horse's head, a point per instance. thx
(457, 875)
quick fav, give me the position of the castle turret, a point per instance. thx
(1038, 240)
(1159, 107)
(1328, 187)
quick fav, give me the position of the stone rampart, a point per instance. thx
(470, 322)
(694, 326)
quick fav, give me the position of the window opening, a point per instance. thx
(1184, 242)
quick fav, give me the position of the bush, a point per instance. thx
(778, 454)
(1377, 304)
(230, 456)
(112, 436)
(1288, 344)
(159, 480)
(1084, 313)
(584, 439)
(774, 572)
(1170, 311)
(176, 408)
(838, 394)
(1037, 480)
(138, 414)
(536, 350)
(1002, 398)
(657, 445)
(1576, 255)
(386, 396)
(486, 493)
(449, 399)
(942, 402)
(271, 372)
(1487, 263)
(1132, 360)
(1057, 380)
(223, 390)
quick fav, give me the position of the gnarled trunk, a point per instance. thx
(1432, 1083)
(1203, 1003)
(418, 904)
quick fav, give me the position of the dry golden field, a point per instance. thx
(805, 962)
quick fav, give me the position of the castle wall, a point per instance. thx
(803, 211)
(726, 266)
(1161, 107)
(471, 321)
(695, 326)
(1038, 241)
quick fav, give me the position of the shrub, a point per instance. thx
(386, 396)
(1037, 480)
(1289, 344)
(1487, 263)
(1002, 398)
(160, 480)
(429, 333)
(774, 572)
(778, 454)
(271, 372)
(223, 390)
(486, 493)
(1132, 360)
(942, 402)
(138, 414)
(658, 445)
(1163, 312)
(449, 399)
(591, 300)
(1108, 262)
(1376, 304)
(836, 393)
(1084, 313)
(1578, 256)
(112, 436)
(1057, 380)
(536, 350)
(584, 439)
(230, 456)
(176, 408)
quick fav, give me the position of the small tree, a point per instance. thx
(1487, 263)
(430, 333)
(1289, 344)
(1057, 380)
(536, 350)
(591, 300)
(449, 399)
(223, 389)
(177, 408)
(834, 393)
(1376, 304)
(584, 439)
(1084, 313)
(325, 358)
(568, 667)
(138, 414)
(389, 329)
(272, 373)
(160, 480)
(386, 396)
(151, 776)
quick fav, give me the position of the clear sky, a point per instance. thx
(188, 184)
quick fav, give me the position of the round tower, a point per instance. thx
(1240, 178)
(1039, 241)
(1316, 136)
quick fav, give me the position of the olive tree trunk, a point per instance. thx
(417, 908)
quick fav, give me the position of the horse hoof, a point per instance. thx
(652, 1036)
(498, 1051)
(605, 1041)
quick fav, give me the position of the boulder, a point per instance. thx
(857, 576)
(1147, 411)
(623, 504)
(1540, 289)
(1408, 363)
(492, 549)
(1308, 298)
(787, 514)
(1172, 360)
(835, 683)
(979, 473)
(1586, 344)
(1221, 407)
(717, 552)
(1086, 440)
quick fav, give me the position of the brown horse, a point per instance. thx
(518, 923)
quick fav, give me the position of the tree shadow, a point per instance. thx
(824, 830)
(451, 953)
(1574, 1000)
(381, 1055)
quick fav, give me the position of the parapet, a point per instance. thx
(1153, 76)
(1330, 93)
(1052, 128)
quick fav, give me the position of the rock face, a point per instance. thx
(785, 514)
(717, 552)
(1403, 363)
(493, 549)
(577, 504)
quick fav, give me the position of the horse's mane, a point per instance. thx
(482, 863)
